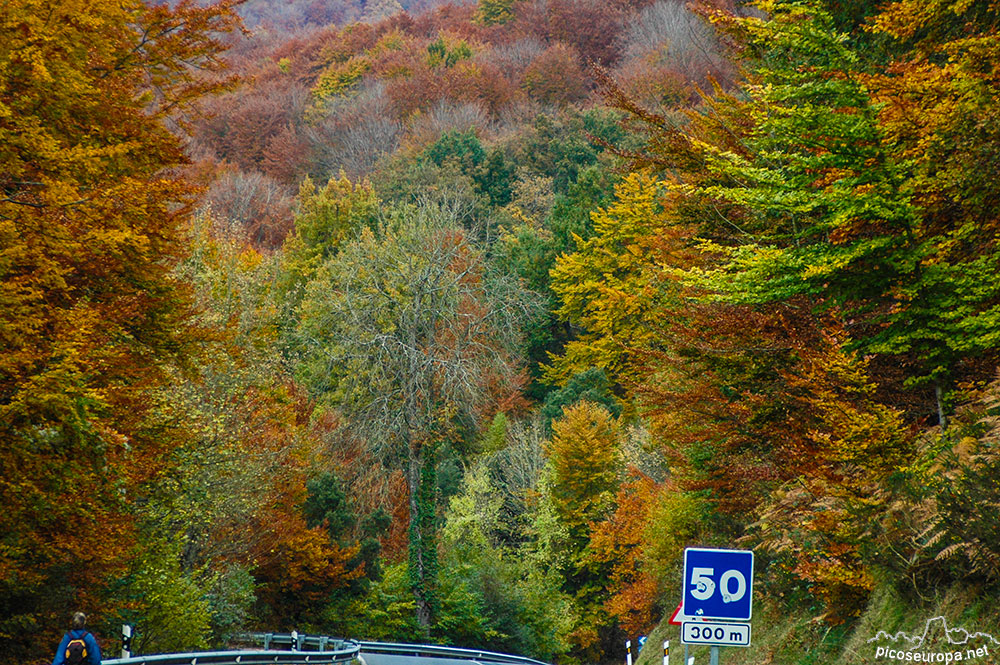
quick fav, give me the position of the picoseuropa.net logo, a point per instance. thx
(937, 644)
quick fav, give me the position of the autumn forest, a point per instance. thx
(456, 322)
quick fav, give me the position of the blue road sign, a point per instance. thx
(718, 584)
(642, 643)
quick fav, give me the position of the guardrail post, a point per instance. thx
(267, 641)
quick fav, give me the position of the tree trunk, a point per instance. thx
(422, 484)
(942, 419)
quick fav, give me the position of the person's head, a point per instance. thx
(79, 621)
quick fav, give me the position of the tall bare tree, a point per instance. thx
(411, 335)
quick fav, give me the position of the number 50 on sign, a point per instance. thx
(718, 584)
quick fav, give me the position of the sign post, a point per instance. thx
(677, 619)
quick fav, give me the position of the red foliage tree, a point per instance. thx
(242, 125)
(555, 76)
(285, 156)
(593, 27)
(482, 83)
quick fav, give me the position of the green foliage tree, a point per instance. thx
(494, 12)
(230, 601)
(831, 210)
(326, 505)
(571, 219)
(387, 613)
(529, 247)
(491, 173)
(442, 52)
(955, 473)
(558, 145)
(518, 595)
(174, 612)
(325, 219)
(590, 385)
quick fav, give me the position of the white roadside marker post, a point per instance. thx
(126, 641)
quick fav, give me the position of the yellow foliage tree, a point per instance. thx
(326, 218)
(585, 461)
(584, 473)
(612, 286)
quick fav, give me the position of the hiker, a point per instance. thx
(78, 646)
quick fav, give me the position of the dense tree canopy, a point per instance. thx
(458, 322)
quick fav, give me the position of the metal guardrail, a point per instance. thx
(328, 651)
(425, 650)
(244, 657)
(297, 641)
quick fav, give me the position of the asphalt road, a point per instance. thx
(397, 659)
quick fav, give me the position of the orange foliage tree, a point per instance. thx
(619, 543)
(90, 223)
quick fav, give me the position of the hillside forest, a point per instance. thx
(456, 322)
